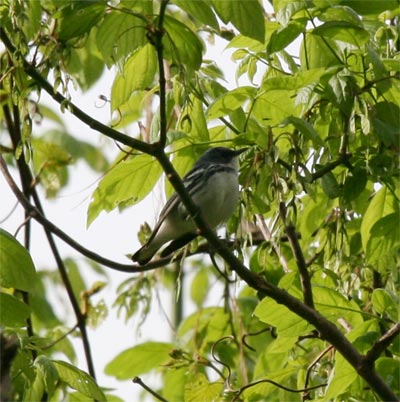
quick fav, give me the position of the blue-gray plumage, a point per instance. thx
(213, 185)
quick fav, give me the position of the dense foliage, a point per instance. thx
(310, 274)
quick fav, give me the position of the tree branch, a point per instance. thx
(38, 211)
(342, 160)
(157, 37)
(381, 344)
(299, 256)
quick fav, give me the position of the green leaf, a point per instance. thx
(370, 7)
(230, 101)
(34, 390)
(85, 63)
(305, 128)
(78, 380)
(78, 149)
(199, 287)
(13, 312)
(78, 18)
(138, 73)
(129, 181)
(317, 52)
(286, 9)
(200, 10)
(246, 15)
(75, 277)
(385, 303)
(343, 31)
(193, 121)
(139, 360)
(343, 376)
(389, 370)
(211, 323)
(386, 122)
(354, 184)
(50, 161)
(288, 324)
(340, 13)
(383, 245)
(381, 205)
(333, 306)
(173, 384)
(200, 389)
(119, 35)
(285, 35)
(48, 372)
(17, 269)
(330, 185)
(181, 44)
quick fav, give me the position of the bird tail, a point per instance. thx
(144, 254)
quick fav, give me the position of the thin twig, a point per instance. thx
(253, 334)
(157, 41)
(63, 336)
(138, 380)
(252, 384)
(299, 256)
(228, 378)
(311, 366)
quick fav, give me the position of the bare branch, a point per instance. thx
(157, 37)
(382, 343)
(299, 256)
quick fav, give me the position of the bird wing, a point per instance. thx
(191, 180)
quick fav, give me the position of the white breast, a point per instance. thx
(219, 198)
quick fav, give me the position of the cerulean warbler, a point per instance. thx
(214, 187)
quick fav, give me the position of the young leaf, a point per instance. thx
(380, 206)
(287, 323)
(129, 181)
(48, 372)
(200, 10)
(17, 269)
(139, 360)
(246, 15)
(138, 73)
(306, 129)
(285, 35)
(385, 303)
(78, 380)
(200, 389)
(230, 101)
(13, 312)
(78, 18)
(343, 31)
(181, 45)
(119, 35)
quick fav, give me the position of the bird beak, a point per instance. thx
(240, 151)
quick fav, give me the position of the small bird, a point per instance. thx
(214, 187)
